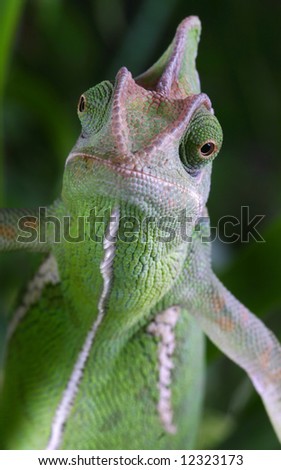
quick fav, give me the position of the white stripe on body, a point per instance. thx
(46, 274)
(163, 327)
(64, 408)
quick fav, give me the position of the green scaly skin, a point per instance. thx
(106, 350)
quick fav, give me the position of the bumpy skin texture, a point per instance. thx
(106, 350)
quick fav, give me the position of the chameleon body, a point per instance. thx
(106, 350)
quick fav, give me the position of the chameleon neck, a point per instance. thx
(124, 269)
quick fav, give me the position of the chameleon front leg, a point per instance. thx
(242, 337)
(21, 229)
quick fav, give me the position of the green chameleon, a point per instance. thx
(106, 350)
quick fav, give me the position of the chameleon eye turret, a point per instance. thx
(93, 106)
(202, 141)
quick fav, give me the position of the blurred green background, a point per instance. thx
(53, 50)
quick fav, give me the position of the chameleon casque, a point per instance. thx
(106, 350)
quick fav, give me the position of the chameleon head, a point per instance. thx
(148, 141)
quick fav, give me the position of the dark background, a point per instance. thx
(53, 50)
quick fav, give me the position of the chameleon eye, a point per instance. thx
(82, 104)
(93, 107)
(201, 142)
(208, 149)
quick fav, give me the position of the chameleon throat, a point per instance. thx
(68, 397)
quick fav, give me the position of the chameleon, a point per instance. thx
(106, 348)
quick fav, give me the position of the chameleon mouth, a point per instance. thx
(132, 172)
